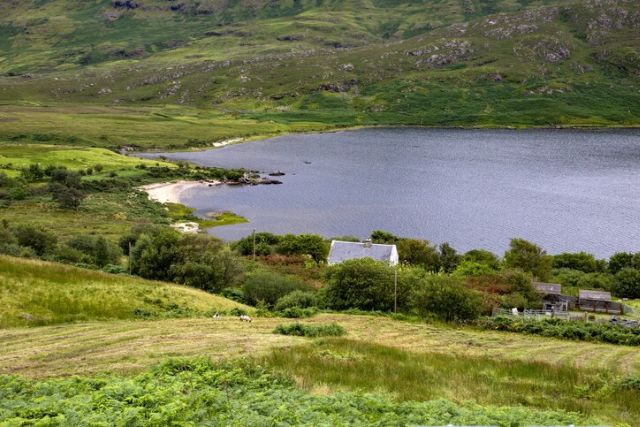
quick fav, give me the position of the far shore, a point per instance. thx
(336, 129)
(170, 192)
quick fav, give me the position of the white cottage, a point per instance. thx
(342, 251)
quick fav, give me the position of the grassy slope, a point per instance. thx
(184, 88)
(40, 293)
(132, 345)
(409, 361)
(16, 156)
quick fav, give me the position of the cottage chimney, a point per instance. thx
(367, 243)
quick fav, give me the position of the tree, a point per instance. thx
(627, 283)
(383, 237)
(66, 197)
(620, 261)
(529, 258)
(449, 258)
(447, 299)
(419, 253)
(304, 244)
(581, 261)
(95, 250)
(482, 256)
(37, 238)
(366, 284)
(153, 255)
(263, 242)
(473, 269)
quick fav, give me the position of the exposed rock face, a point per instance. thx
(549, 49)
(504, 27)
(339, 87)
(448, 52)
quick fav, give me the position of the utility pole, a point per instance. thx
(254, 244)
(395, 289)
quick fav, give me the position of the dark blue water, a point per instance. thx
(565, 190)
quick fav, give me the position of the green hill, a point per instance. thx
(41, 293)
(187, 73)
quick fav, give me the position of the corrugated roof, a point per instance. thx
(343, 251)
(548, 288)
(595, 295)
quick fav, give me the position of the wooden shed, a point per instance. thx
(598, 302)
(552, 298)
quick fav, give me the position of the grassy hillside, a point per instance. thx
(161, 74)
(39, 293)
(404, 361)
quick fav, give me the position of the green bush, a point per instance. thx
(473, 269)
(269, 287)
(96, 249)
(571, 330)
(297, 312)
(627, 283)
(297, 299)
(302, 330)
(361, 283)
(447, 299)
(39, 239)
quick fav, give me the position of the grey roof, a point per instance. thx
(595, 295)
(343, 251)
(548, 288)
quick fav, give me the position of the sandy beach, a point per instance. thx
(169, 192)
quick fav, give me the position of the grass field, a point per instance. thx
(136, 344)
(403, 360)
(37, 293)
(94, 323)
(13, 157)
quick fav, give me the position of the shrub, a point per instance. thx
(263, 242)
(572, 330)
(269, 287)
(302, 330)
(627, 283)
(39, 239)
(298, 299)
(447, 299)
(473, 269)
(304, 244)
(360, 283)
(297, 312)
(95, 249)
(234, 294)
(482, 256)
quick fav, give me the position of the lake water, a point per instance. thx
(565, 190)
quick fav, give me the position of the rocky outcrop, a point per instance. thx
(339, 87)
(445, 53)
(125, 4)
(290, 38)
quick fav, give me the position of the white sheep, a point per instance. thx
(245, 318)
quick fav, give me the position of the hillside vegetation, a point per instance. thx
(152, 73)
(39, 293)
